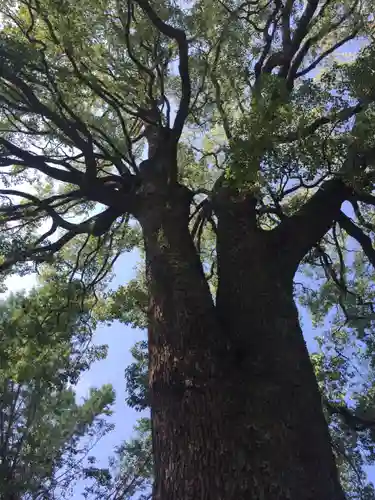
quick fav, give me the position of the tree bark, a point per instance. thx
(236, 410)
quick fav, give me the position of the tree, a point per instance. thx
(130, 471)
(45, 434)
(256, 134)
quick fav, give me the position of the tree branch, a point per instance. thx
(337, 116)
(96, 225)
(356, 232)
(297, 234)
(367, 198)
(112, 191)
(326, 53)
(285, 26)
(303, 25)
(302, 51)
(43, 205)
(352, 420)
(30, 160)
(291, 44)
(69, 128)
(180, 37)
(39, 254)
(220, 106)
(268, 36)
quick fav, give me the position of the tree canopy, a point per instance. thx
(273, 98)
(79, 83)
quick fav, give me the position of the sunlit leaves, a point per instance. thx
(128, 304)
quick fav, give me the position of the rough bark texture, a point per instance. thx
(236, 411)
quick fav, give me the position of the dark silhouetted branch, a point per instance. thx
(356, 232)
(30, 160)
(180, 37)
(337, 116)
(352, 420)
(300, 232)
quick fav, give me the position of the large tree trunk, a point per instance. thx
(236, 411)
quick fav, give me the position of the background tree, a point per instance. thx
(130, 473)
(256, 135)
(46, 436)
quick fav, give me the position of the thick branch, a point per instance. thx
(39, 254)
(356, 232)
(220, 106)
(352, 420)
(112, 191)
(96, 226)
(291, 44)
(285, 26)
(180, 37)
(268, 36)
(299, 233)
(300, 55)
(303, 25)
(38, 162)
(325, 54)
(69, 128)
(44, 206)
(363, 197)
(337, 116)
(104, 221)
(64, 117)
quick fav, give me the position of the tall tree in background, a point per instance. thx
(256, 135)
(131, 470)
(46, 436)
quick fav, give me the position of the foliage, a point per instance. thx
(45, 434)
(130, 471)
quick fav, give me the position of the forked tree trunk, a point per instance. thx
(236, 411)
